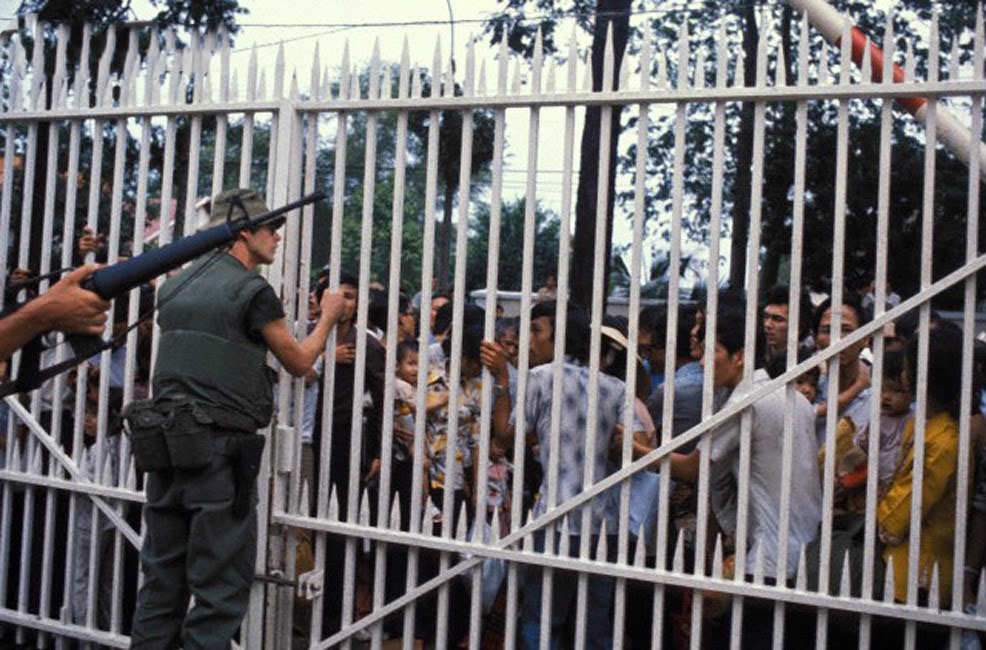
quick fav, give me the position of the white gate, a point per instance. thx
(70, 494)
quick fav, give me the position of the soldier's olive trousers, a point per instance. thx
(194, 546)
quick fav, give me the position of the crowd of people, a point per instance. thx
(778, 454)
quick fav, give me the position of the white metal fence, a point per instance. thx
(69, 527)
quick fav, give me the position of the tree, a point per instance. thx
(547, 228)
(604, 17)
(101, 15)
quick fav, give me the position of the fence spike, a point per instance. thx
(461, 531)
(262, 85)
(234, 87)
(537, 63)
(415, 82)
(624, 75)
(758, 568)
(395, 511)
(495, 525)
(762, 42)
(739, 78)
(333, 504)
(587, 78)
(780, 76)
(934, 600)
(953, 61)
(515, 81)
(564, 541)
(934, 45)
(469, 83)
(314, 91)
(294, 85)
(251, 87)
(354, 89)
(699, 81)
(375, 71)
(977, 57)
(678, 561)
(107, 475)
(404, 81)
(640, 549)
(364, 508)
(609, 60)
(717, 558)
(866, 68)
(845, 584)
(131, 473)
(803, 57)
(572, 64)
(801, 580)
(325, 88)
(387, 82)
(279, 72)
(888, 584)
(344, 72)
(602, 548)
(684, 54)
(436, 69)
(59, 80)
(662, 70)
(304, 502)
(909, 62)
(645, 65)
(481, 86)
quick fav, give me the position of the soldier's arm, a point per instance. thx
(296, 356)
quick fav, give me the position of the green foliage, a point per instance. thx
(546, 233)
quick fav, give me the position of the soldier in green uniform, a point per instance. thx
(197, 440)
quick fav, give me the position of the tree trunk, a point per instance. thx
(615, 12)
(744, 158)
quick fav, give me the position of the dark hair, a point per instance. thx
(893, 364)
(348, 278)
(405, 348)
(443, 318)
(848, 300)
(907, 324)
(654, 319)
(472, 336)
(731, 326)
(815, 371)
(504, 325)
(780, 294)
(576, 327)
(944, 367)
(376, 312)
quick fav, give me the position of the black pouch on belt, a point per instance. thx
(188, 434)
(144, 423)
(246, 465)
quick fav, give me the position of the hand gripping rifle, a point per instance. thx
(112, 281)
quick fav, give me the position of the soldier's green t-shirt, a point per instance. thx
(264, 308)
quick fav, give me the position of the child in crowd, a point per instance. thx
(895, 410)
(405, 389)
(807, 383)
(938, 486)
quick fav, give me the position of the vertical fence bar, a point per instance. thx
(873, 448)
(596, 321)
(326, 491)
(968, 330)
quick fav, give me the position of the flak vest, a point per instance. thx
(205, 353)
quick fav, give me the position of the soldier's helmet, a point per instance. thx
(235, 204)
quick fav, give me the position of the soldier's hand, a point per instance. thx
(66, 306)
(333, 305)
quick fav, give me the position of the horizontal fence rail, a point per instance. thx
(414, 508)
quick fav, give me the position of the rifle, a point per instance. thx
(112, 281)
